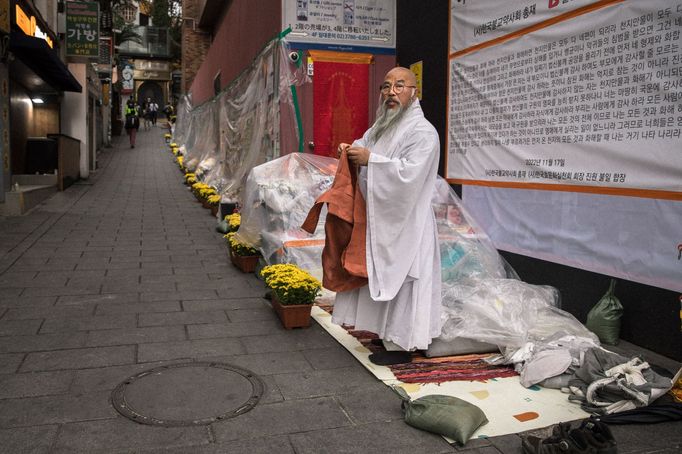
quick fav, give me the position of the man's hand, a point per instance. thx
(358, 155)
(342, 146)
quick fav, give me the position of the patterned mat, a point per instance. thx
(470, 367)
(437, 370)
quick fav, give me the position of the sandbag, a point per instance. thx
(444, 415)
(604, 318)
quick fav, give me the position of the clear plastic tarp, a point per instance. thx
(183, 119)
(239, 129)
(277, 198)
(483, 297)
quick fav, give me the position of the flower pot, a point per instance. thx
(246, 263)
(292, 316)
(214, 210)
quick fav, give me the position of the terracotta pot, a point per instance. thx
(292, 315)
(214, 210)
(246, 263)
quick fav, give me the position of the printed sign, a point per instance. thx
(341, 24)
(82, 29)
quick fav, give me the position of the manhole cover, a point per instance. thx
(188, 394)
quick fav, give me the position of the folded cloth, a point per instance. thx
(608, 383)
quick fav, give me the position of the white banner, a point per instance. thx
(595, 100)
(364, 23)
(631, 238)
(475, 21)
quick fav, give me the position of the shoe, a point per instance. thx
(592, 437)
(390, 358)
(598, 435)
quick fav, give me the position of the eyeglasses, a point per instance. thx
(397, 88)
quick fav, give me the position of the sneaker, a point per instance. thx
(598, 435)
(592, 437)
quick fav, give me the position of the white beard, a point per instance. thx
(386, 120)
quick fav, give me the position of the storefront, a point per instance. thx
(37, 79)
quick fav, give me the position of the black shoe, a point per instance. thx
(598, 435)
(390, 358)
(378, 342)
(589, 438)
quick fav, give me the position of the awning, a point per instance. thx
(37, 55)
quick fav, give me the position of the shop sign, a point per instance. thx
(82, 29)
(29, 26)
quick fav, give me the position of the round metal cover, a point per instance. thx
(188, 394)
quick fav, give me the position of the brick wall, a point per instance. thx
(195, 42)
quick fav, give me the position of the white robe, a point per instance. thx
(402, 302)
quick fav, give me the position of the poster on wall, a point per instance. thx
(564, 128)
(592, 98)
(341, 25)
(82, 29)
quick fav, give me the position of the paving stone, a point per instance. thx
(89, 323)
(394, 437)
(282, 418)
(122, 435)
(61, 291)
(28, 440)
(264, 312)
(225, 304)
(28, 301)
(33, 411)
(98, 298)
(10, 292)
(79, 358)
(107, 378)
(329, 358)
(268, 363)
(136, 287)
(181, 318)
(32, 313)
(138, 308)
(135, 336)
(34, 384)
(370, 404)
(9, 363)
(189, 349)
(329, 382)
(180, 295)
(19, 327)
(40, 342)
(239, 329)
(304, 339)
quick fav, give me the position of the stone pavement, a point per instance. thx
(125, 272)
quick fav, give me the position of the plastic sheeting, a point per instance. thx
(277, 198)
(483, 297)
(224, 138)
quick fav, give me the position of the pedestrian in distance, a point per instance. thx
(398, 164)
(153, 108)
(132, 120)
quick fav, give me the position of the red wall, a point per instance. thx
(244, 29)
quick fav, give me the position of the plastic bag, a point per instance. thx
(604, 318)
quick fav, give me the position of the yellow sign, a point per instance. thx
(417, 69)
(29, 26)
(4, 16)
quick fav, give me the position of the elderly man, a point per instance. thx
(398, 161)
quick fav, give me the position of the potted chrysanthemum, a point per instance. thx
(234, 220)
(243, 256)
(293, 293)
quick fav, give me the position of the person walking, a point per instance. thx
(132, 122)
(153, 110)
